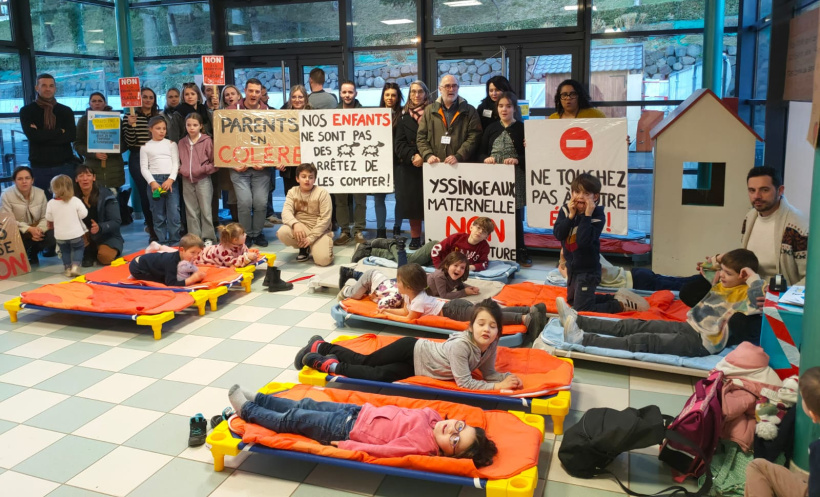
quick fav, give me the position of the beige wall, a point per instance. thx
(683, 234)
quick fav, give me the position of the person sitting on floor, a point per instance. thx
(306, 219)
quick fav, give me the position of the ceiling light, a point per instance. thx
(236, 33)
(93, 30)
(97, 41)
(391, 22)
(415, 40)
(575, 7)
(462, 3)
(48, 23)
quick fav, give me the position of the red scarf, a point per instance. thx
(418, 112)
(49, 119)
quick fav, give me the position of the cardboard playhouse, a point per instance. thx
(703, 152)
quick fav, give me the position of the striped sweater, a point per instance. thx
(137, 136)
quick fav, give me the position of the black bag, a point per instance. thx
(590, 445)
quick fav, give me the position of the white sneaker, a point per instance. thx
(631, 300)
(75, 270)
(564, 311)
(67, 273)
(348, 284)
(572, 333)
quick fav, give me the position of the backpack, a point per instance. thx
(601, 434)
(700, 423)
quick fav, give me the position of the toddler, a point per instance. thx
(448, 280)
(65, 213)
(231, 250)
(165, 266)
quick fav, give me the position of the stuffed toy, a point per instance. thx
(186, 269)
(771, 408)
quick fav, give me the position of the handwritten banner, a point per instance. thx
(558, 150)
(454, 196)
(130, 93)
(352, 149)
(103, 132)
(800, 57)
(13, 258)
(256, 138)
(213, 70)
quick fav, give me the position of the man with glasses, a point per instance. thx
(449, 129)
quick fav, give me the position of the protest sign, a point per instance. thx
(13, 258)
(558, 150)
(454, 196)
(351, 148)
(256, 138)
(130, 93)
(103, 132)
(213, 70)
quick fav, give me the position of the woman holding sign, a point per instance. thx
(28, 205)
(298, 101)
(109, 168)
(503, 143)
(136, 135)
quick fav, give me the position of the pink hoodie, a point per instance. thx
(392, 431)
(197, 159)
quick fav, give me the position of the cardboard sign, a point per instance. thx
(256, 138)
(800, 58)
(213, 70)
(558, 150)
(130, 92)
(454, 196)
(351, 148)
(13, 258)
(103, 132)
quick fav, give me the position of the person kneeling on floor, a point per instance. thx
(306, 219)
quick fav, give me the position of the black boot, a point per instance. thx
(276, 284)
(268, 275)
(362, 250)
(381, 233)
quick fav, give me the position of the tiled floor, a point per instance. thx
(95, 407)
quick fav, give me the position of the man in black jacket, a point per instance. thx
(50, 129)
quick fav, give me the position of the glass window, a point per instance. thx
(74, 28)
(182, 30)
(613, 16)
(331, 78)
(11, 85)
(759, 125)
(271, 78)
(730, 65)
(285, 23)
(5, 21)
(764, 8)
(160, 75)
(384, 22)
(78, 78)
(373, 69)
(472, 76)
(762, 62)
(544, 74)
(480, 16)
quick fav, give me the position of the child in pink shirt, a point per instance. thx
(231, 251)
(386, 431)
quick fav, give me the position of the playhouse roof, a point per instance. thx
(688, 104)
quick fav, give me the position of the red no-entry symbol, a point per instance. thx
(576, 144)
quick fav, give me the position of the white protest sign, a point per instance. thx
(558, 150)
(454, 196)
(351, 148)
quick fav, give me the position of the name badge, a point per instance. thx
(487, 113)
(445, 140)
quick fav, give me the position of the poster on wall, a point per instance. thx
(454, 196)
(558, 150)
(103, 132)
(351, 148)
(256, 138)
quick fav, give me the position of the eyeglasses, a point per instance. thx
(455, 437)
(449, 87)
(569, 96)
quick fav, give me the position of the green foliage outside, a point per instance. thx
(173, 30)
(284, 23)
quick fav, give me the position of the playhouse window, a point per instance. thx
(704, 183)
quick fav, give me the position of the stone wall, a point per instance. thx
(376, 76)
(471, 71)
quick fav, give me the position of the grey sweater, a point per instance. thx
(455, 359)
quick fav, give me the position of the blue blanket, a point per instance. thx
(553, 335)
(630, 234)
(496, 270)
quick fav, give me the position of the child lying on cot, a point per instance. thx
(454, 359)
(705, 331)
(165, 267)
(386, 431)
(448, 280)
(230, 252)
(411, 282)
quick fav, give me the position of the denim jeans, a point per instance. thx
(324, 422)
(252, 189)
(71, 251)
(165, 210)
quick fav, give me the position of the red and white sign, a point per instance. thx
(213, 70)
(576, 144)
(558, 150)
(130, 92)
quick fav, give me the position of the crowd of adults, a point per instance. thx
(446, 129)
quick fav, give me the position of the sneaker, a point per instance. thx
(415, 243)
(261, 240)
(631, 301)
(564, 311)
(524, 259)
(75, 270)
(319, 362)
(359, 238)
(311, 347)
(274, 219)
(304, 254)
(572, 333)
(67, 273)
(199, 431)
(216, 420)
(208, 242)
(343, 294)
(343, 239)
(345, 273)
(268, 224)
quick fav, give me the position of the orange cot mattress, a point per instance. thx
(541, 372)
(369, 308)
(120, 275)
(518, 443)
(106, 299)
(663, 304)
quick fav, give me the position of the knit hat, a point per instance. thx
(750, 362)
